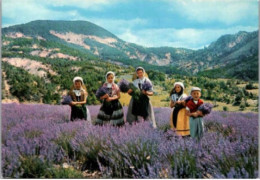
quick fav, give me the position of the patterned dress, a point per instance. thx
(111, 112)
(142, 108)
(78, 111)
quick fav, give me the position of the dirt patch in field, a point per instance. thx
(17, 35)
(63, 56)
(7, 96)
(40, 38)
(140, 55)
(35, 46)
(75, 68)
(78, 39)
(108, 41)
(39, 53)
(253, 91)
(49, 53)
(33, 67)
(73, 38)
(6, 43)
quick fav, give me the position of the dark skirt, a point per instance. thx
(140, 106)
(175, 114)
(111, 113)
(78, 112)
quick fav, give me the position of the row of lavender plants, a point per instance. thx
(38, 139)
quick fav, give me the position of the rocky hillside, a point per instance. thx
(99, 43)
(40, 59)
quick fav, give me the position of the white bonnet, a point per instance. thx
(179, 83)
(110, 72)
(77, 78)
(138, 68)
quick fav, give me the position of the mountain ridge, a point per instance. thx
(100, 43)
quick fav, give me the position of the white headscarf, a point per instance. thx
(175, 97)
(76, 91)
(138, 68)
(109, 85)
(180, 84)
(77, 78)
(141, 81)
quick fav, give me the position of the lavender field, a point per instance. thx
(38, 141)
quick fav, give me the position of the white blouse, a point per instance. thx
(175, 97)
(141, 81)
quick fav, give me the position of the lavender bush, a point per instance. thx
(123, 85)
(101, 92)
(147, 86)
(205, 108)
(35, 137)
(66, 100)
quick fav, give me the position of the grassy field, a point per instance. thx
(161, 96)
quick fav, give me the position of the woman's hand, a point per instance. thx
(129, 91)
(188, 113)
(200, 113)
(109, 99)
(178, 102)
(172, 104)
(73, 103)
(149, 93)
(195, 114)
(115, 97)
(105, 96)
(144, 92)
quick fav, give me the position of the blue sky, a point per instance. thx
(152, 23)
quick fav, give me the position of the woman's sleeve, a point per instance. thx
(85, 94)
(184, 96)
(151, 83)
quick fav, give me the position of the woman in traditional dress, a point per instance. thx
(179, 121)
(78, 93)
(142, 105)
(111, 111)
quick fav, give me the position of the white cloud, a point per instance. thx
(128, 36)
(85, 4)
(28, 10)
(225, 11)
(23, 11)
(185, 38)
(80, 3)
(117, 26)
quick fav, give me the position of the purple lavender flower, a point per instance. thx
(123, 86)
(205, 108)
(188, 98)
(147, 86)
(101, 92)
(66, 100)
(132, 151)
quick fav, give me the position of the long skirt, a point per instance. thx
(179, 121)
(78, 112)
(111, 113)
(130, 117)
(196, 127)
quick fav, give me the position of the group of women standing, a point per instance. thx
(111, 110)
